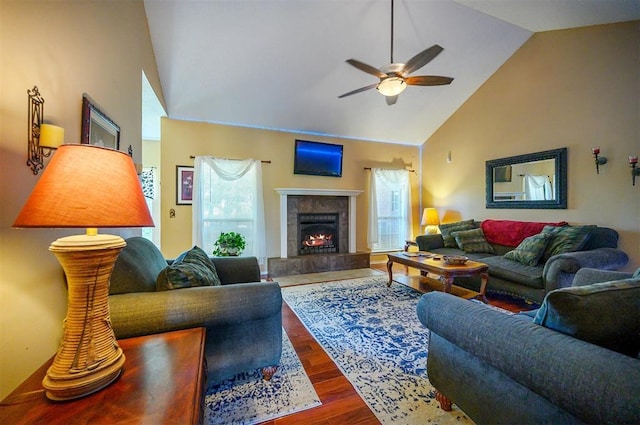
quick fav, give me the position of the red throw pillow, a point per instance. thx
(510, 232)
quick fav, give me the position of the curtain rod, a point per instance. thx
(392, 169)
(267, 161)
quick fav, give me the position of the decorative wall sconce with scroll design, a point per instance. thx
(633, 163)
(599, 161)
(42, 138)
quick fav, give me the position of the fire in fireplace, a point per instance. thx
(318, 233)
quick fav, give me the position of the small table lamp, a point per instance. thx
(431, 221)
(86, 186)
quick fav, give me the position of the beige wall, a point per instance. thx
(576, 88)
(66, 48)
(180, 139)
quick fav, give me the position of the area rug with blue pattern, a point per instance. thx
(248, 399)
(373, 334)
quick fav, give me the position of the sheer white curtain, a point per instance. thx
(389, 209)
(227, 197)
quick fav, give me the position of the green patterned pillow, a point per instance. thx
(191, 268)
(472, 241)
(530, 249)
(447, 229)
(566, 239)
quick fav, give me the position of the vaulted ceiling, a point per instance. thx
(280, 64)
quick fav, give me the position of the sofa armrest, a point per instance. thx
(143, 313)
(592, 383)
(589, 276)
(237, 269)
(559, 270)
(429, 242)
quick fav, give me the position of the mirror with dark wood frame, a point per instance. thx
(535, 180)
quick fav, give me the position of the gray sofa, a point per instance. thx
(242, 316)
(532, 282)
(506, 369)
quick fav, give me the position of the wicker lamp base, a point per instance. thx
(89, 357)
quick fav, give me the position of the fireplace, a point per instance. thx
(318, 232)
(323, 211)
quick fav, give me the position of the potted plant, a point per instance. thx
(229, 244)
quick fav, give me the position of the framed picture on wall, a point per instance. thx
(97, 128)
(184, 185)
(502, 174)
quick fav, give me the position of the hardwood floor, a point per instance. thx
(341, 404)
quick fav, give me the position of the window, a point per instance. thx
(228, 198)
(390, 212)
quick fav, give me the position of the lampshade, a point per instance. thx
(430, 217)
(51, 136)
(391, 86)
(87, 186)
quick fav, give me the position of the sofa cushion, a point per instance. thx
(137, 267)
(605, 314)
(514, 271)
(512, 233)
(472, 241)
(447, 229)
(191, 268)
(565, 239)
(530, 249)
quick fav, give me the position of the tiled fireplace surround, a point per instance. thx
(295, 201)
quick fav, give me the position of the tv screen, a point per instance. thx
(317, 159)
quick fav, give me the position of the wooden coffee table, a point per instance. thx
(445, 274)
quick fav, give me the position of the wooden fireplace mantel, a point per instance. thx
(284, 192)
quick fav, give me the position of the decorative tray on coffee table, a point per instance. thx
(455, 260)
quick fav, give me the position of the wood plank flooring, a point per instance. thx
(341, 404)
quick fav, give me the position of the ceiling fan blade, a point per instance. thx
(421, 59)
(391, 100)
(361, 89)
(428, 80)
(367, 68)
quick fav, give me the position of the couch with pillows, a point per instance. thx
(527, 259)
(573, 360)
(241, 314)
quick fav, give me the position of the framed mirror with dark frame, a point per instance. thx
(97, 128)
(535, 181)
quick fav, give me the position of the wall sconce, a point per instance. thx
(599, 161)
(42, 138)
(431, 221)
(633, 163)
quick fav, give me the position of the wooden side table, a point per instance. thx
(162, 382)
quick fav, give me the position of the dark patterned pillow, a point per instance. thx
(530, 249)
(191, 268)
(472, 241)
(447, 229)
(566, 239)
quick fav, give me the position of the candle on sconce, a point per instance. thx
(633, 159)
(595, 151)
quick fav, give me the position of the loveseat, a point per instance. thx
(241, 314)
(556, 365)
(527, 259)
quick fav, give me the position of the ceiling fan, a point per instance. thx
(394, 77)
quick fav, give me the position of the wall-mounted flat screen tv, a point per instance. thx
(317, 159)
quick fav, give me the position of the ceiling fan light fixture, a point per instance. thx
(392, 86)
